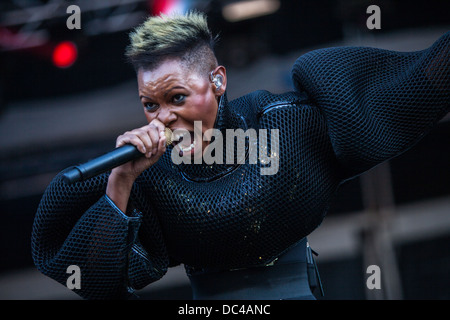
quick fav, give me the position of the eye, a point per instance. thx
(178, 98)
(150, 107)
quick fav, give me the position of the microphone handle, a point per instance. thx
(102, 164)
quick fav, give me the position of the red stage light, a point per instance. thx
(65, 54)
(164, 6)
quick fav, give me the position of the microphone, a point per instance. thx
(107, 161)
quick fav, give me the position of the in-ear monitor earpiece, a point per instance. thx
(216, 79)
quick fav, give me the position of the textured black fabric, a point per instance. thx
(284, 279)
(353, 108)
(376, 102)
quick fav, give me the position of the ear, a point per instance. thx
(219, 74)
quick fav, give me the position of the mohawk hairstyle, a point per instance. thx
(185, 37)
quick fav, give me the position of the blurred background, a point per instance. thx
(66, 94)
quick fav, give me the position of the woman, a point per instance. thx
(241, 234)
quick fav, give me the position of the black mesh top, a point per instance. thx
(353, 108)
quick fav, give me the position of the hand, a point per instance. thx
(151, 141)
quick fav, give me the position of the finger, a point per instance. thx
(162, 143)
(161, 147)
(131, 139)
(143, 134)
(158, 124)
(154, 136)
(119, 140)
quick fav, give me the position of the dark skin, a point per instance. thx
(172, 96)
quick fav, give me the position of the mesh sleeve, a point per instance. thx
(79, 225)
(377, 103)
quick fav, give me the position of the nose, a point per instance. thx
(166, 116)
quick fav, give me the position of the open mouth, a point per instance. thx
(185, 141)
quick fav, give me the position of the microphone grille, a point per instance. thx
(168, 134)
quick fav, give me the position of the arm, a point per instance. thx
(93, 225)
(377, 103)
(79, 225)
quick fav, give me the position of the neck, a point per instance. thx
(205, 170)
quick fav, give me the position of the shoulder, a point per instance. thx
(261, 102)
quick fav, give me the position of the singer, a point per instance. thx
(240, 234)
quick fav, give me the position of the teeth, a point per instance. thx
(189, 148)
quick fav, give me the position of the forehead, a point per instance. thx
(166, 73)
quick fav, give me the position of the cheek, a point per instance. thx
(204, 108)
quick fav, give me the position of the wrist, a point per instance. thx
(124, 180)
(118, 190)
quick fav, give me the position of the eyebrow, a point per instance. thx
(173, 88)
(165, 93)
(141, 96)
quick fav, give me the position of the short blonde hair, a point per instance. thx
(182, 36)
